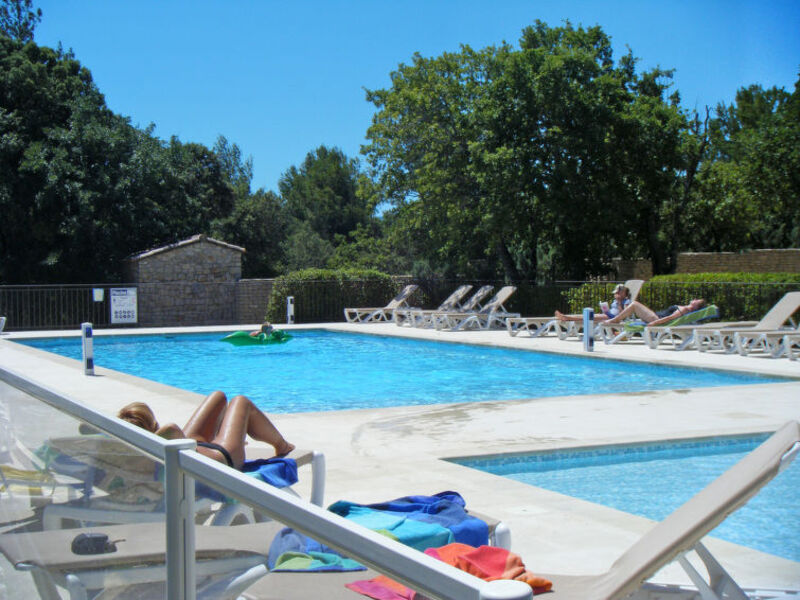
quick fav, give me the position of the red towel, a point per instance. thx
(486, 562)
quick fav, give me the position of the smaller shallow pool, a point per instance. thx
(652, 480)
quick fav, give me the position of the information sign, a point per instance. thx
(123, 305)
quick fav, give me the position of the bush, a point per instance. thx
(322, 294)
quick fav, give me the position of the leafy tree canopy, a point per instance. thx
(81, 188)
(530, 161)
(750, 184)
(18, 19)
(322, 193)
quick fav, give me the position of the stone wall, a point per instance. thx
(750, 261)
(252, 296)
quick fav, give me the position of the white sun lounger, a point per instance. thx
(771, 343)
(424, 318)
(417, 317)
(681, 337)
(383, 313)
(133, 492)
(228, 560)
(721, 338)
(492, 314)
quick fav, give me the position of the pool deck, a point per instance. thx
(378, 454)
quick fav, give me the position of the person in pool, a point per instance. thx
(219, 427)
(622, 298)
(266, 329)
(660, 317)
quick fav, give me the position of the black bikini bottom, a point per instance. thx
(220, 449)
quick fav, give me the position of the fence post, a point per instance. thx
(588, 329)
(87, 348)
(289, 310)
(179, 492)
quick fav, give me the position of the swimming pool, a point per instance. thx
(652, 480)
(319, 370)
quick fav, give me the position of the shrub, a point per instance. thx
(321, 294)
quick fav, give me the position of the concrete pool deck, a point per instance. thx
(378, 454)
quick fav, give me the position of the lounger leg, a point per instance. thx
(720, 584)
(501, 536)
(43, 581)
(684, 343)
(318, 478)
(652, 338)
(76, 589)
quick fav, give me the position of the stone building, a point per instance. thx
(191, 282)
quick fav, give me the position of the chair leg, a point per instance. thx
(720, 584)
(501, 536)
(318, 478)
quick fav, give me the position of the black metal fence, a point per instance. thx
(30, 307)
(67, 306)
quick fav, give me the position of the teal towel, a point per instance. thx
(707, 312)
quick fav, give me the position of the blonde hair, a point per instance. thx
(622, 288)
(139, 414)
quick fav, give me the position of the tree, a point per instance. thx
(80, 188)
(322, 193)
(238, 172)
(306, 249)
(260, 223)
(749, 187)
(18, 19)
(539, 162)
(420, 150)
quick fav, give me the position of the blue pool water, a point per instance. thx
(652, 480)
(319, 370)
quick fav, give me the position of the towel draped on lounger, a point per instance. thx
(486, 562)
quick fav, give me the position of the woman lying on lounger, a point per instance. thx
(660, 317)
(622, 299)
(219, 427)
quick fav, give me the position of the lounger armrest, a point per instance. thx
(499, 532)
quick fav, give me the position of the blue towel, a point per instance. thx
(278, 472)
(293, 551)
(445, 509)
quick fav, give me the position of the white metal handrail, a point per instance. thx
(417, 570)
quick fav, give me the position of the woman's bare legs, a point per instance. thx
(562, 317)
(635, 308)
(205, 421)
(243, 418)
(229, 423)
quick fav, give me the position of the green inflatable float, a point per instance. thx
(243, 338)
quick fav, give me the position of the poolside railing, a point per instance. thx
(231, 303)
(183, 466)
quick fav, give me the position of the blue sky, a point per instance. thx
(280, 78)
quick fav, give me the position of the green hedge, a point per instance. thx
(321, 294)
(739, 296)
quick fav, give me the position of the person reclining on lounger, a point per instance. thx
(661, 317)
(622, 299)
(219, 427)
